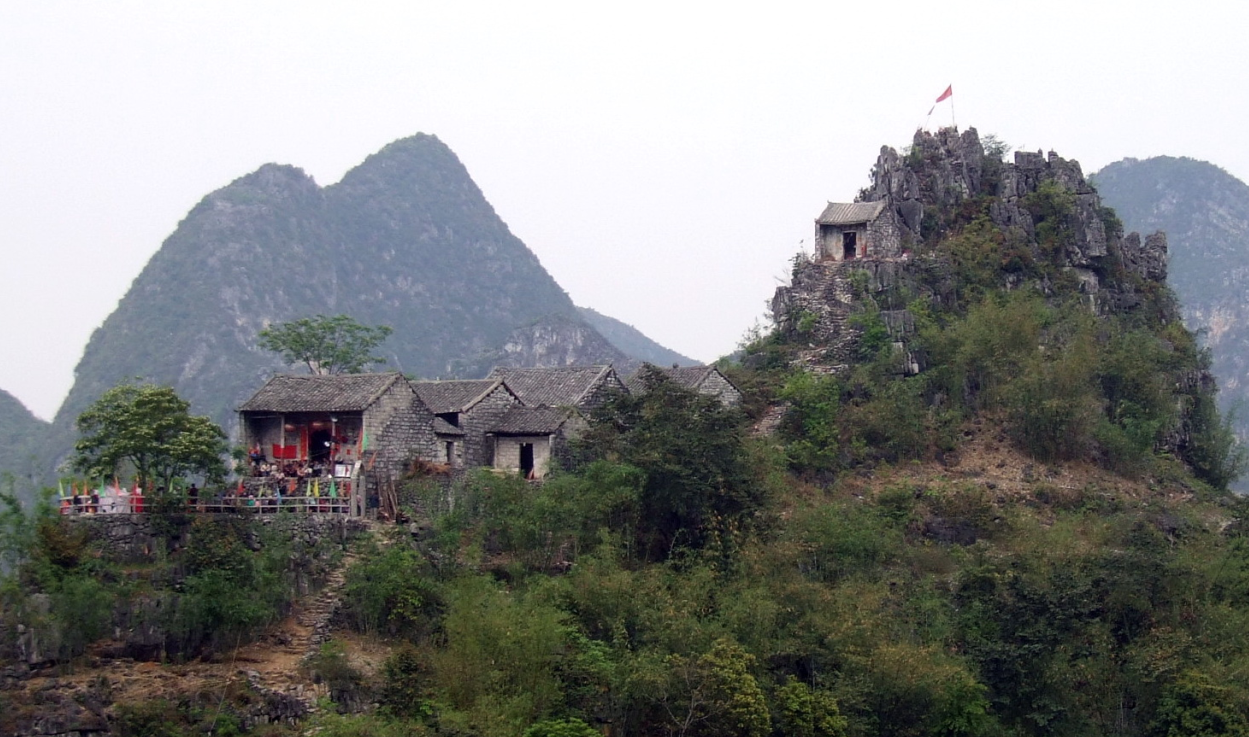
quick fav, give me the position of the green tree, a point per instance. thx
(802, 711)
(326, 345)
(689, 446)
(712, 694)
(149, 429)
(1195, 706)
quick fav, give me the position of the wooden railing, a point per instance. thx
(259, 496)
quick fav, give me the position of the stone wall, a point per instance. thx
(884, 237)
(138, 538)
(479, 420)
(409, 434)
(719, 387)
(507, 453)
(602, 391)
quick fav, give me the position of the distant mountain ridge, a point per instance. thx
(1205, 213)
(405, 239)
(632, 342)
(21, 434)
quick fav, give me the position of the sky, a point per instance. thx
(665, 161)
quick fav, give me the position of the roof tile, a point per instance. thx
(310, 393)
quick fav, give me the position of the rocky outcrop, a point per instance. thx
(74, 707)
(552, 341)
(1040, 203)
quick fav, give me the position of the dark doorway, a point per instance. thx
(526, 460)
(450, 452)
(849, 242)
(319, 445)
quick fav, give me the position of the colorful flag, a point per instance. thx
(333, 489)
(949, 91)
(60, 488)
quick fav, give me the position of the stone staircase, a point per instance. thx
(319, 614)
(314, 618)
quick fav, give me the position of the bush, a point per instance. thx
(390, 592)
(561, 728)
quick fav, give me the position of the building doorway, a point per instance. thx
(319, 445)
(526, 460)
(850, 245)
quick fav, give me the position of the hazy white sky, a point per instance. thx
(663, 160)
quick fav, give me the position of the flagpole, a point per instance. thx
(952, 122)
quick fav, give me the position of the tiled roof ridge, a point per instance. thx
(489, 383)
(597, 378)
(384, 387)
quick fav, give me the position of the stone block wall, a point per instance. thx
(137, 538)
(408, 434)
(610, 385)
(507, 453)
(717, 386)
(479, 420)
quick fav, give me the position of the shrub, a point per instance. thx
(390, 592)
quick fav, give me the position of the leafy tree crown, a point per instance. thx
(326, 345)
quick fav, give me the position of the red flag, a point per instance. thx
(948, 92)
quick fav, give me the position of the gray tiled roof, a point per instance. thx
(563, 386)
(530, 421)
(689, 377)
(339, 393)
(442, 427)
(850, 213)
(453, 396)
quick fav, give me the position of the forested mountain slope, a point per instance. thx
(1205, 213)
(976, 487)
(20, 436)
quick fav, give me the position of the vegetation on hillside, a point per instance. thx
(856, 574)
(21, 443)
(1205, 213)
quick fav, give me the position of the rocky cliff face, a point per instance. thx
(554, 340)
(1205, 214)
(631, 341)
(1043, 222)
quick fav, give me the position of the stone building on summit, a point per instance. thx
(856, 230)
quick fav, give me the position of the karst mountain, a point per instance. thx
(1205, 214)
(405, 239)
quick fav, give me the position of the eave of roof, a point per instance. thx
(850, 213)
(458, 395)
(312, 393)
(552, 386)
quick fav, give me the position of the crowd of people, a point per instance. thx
(323, 467)
(105, 500)
(293, 494)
